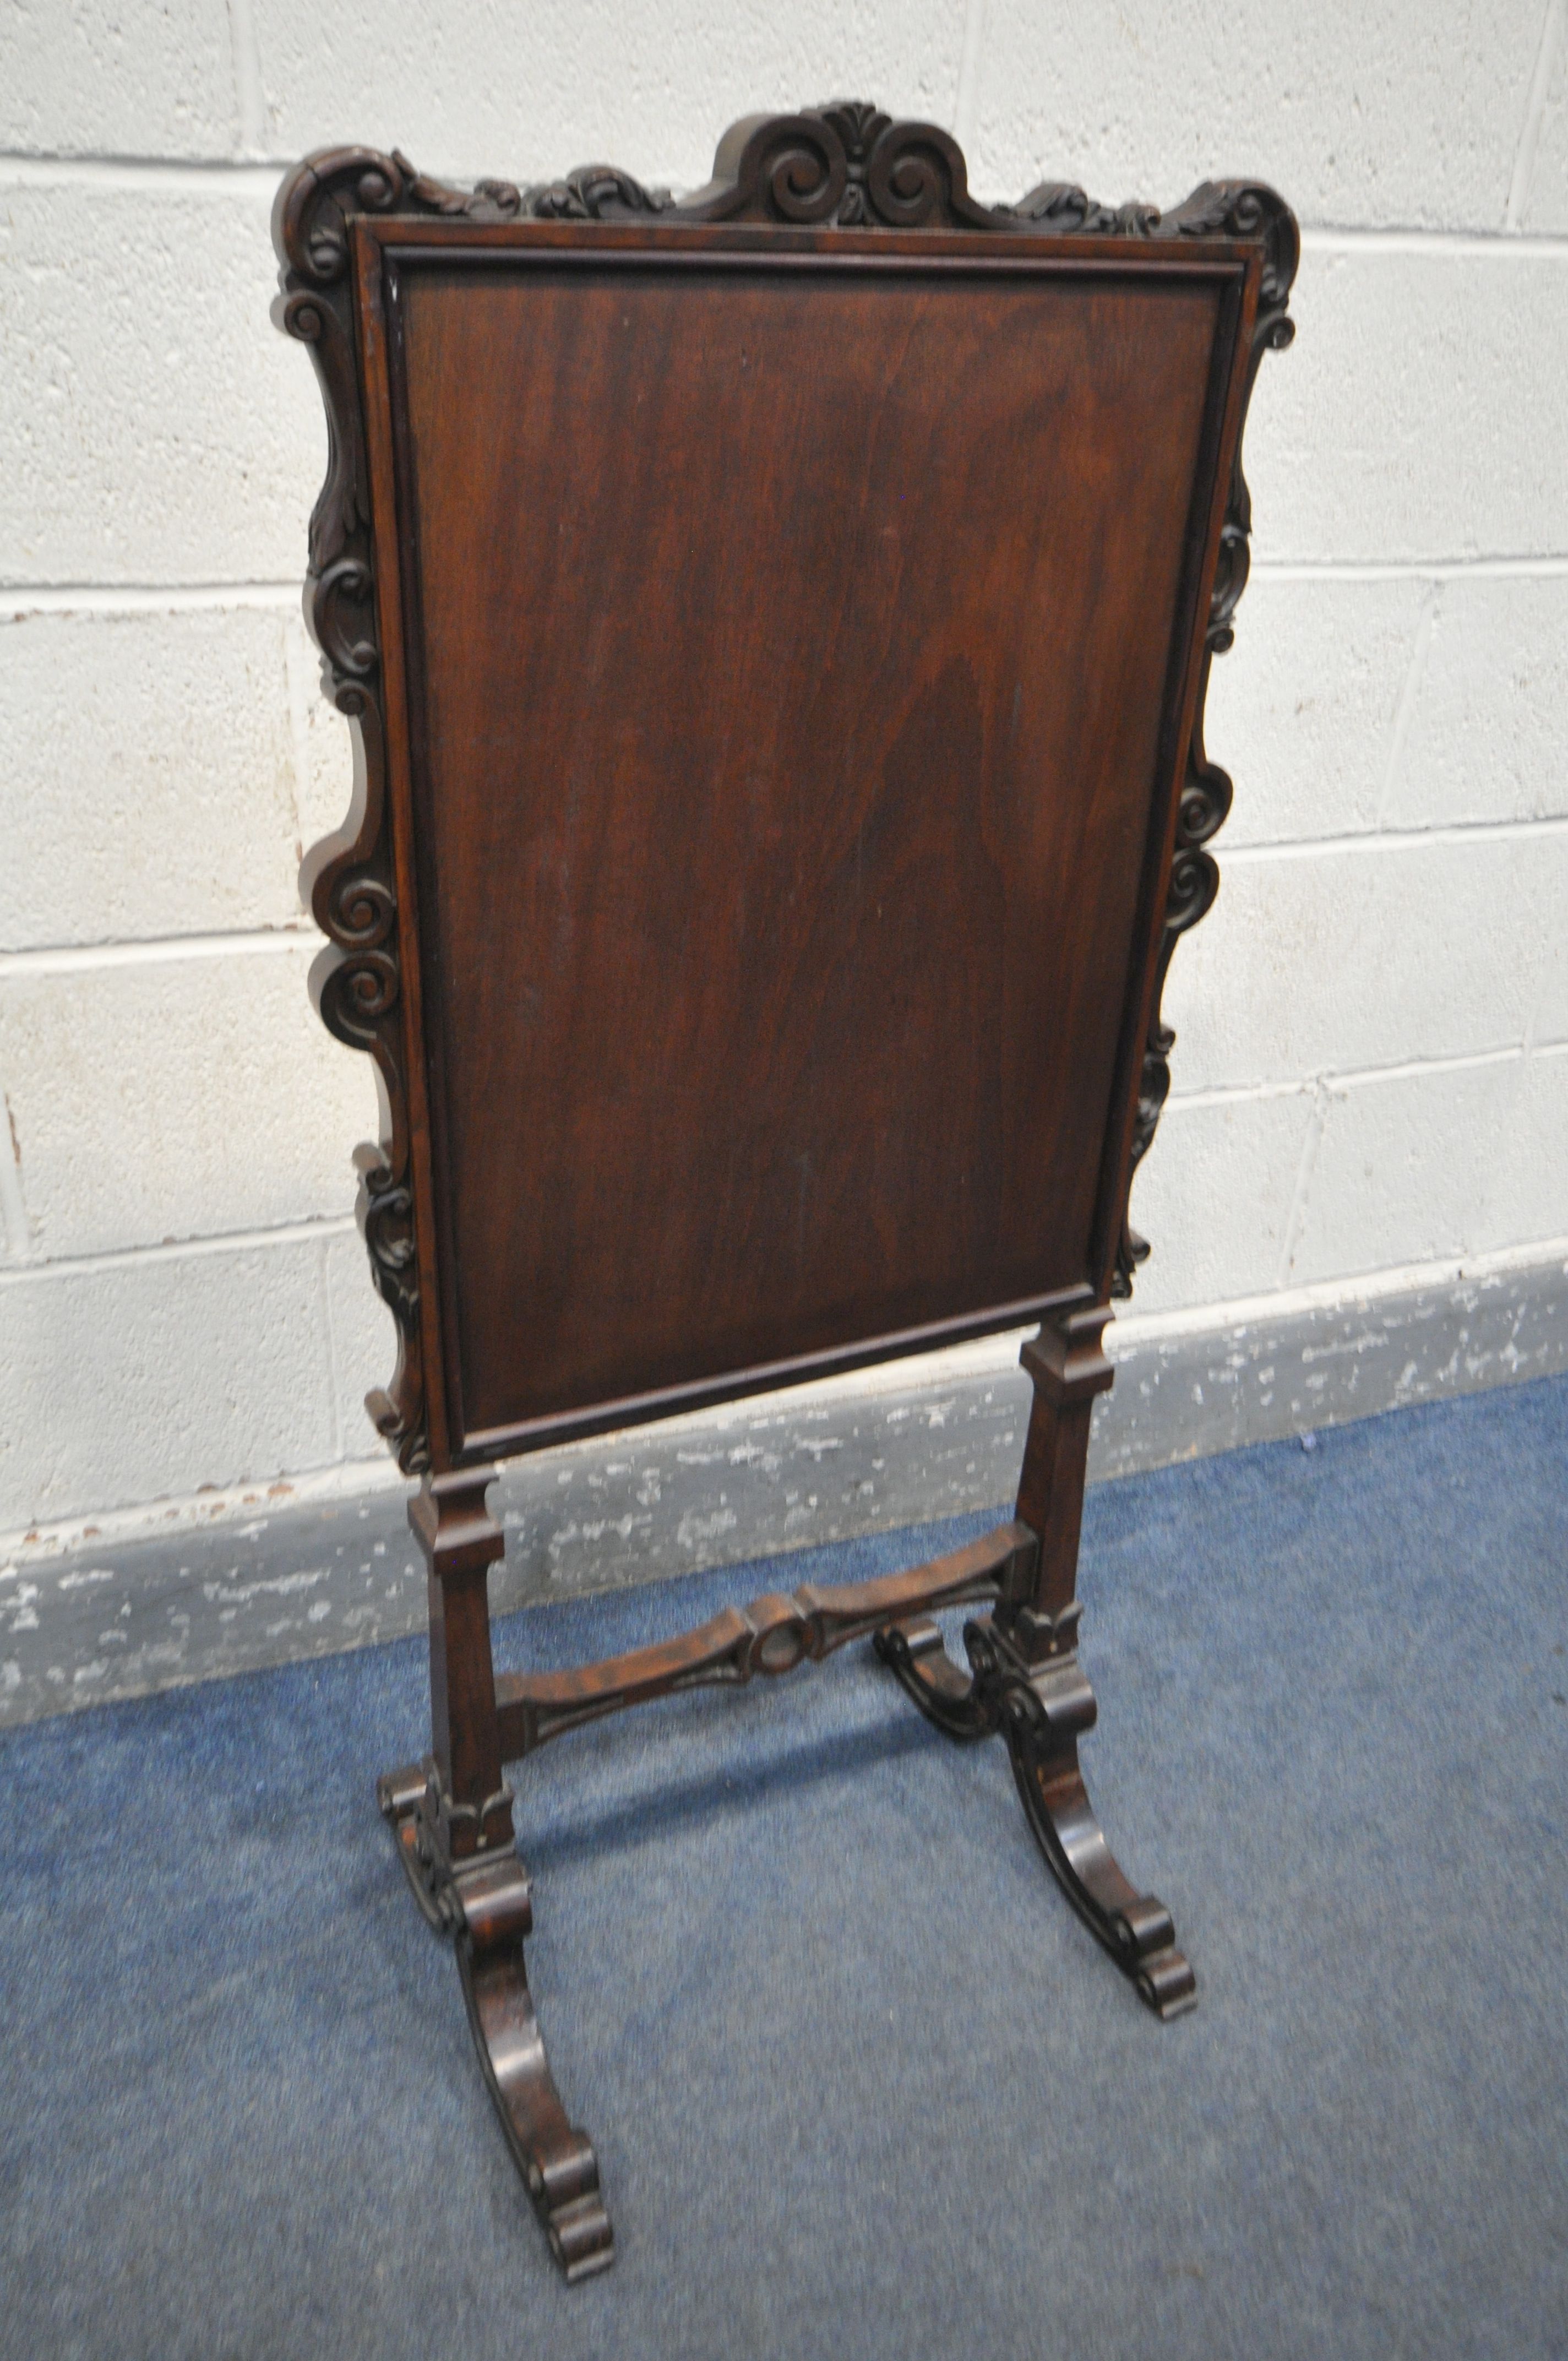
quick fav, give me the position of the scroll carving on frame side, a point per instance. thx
(348, 878)
(1240, 209)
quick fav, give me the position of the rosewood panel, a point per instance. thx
(792, 645)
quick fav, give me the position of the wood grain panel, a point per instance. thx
(793, 646)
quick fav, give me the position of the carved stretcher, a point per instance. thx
(775, 627)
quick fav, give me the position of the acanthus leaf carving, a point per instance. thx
(499, 198)
(1059, 206)
(858, 124)
(597, 192)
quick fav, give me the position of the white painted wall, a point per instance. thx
(1373, 1063)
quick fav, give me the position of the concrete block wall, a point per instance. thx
(1372, 1069)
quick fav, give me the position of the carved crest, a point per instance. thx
(845, 165)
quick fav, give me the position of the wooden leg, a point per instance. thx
(1026, 1679)
(451, 1816)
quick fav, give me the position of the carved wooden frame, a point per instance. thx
(842, 167)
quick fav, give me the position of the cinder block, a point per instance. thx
(178, 1098)
(1334, 962)
(84, 77)
(559, 85)
(157, 1375)
(1301, 710)
(1398, 116)
(1549, 1020)
(1213, 1197)
(1405, 1170)
(154, 426)
(1487, 736)
(146, 777)
(1527, 1195)
(327, 753)
(1546, 200)
(1413, 416)
(364, 1339)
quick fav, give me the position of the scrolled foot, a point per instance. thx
(1042, 1710)
(484, 1903)
(556, 2160)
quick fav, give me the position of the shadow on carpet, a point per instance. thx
(860, 2083)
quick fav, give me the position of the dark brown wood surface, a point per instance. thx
(776, 628)
(772, 1635)
(790, 643)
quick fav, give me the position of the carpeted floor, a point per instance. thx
(860, 2083)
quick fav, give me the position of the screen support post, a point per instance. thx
(1026, 1680)
(452, 1814)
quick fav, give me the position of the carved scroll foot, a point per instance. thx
(1042, 1710)
(482, 1901)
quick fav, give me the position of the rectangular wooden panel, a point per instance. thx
(792, 646)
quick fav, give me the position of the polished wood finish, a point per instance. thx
(1026, 1680)
(452, 1818)
(775, 629)
(461, 1542)
(899, 756)
(482, 1901)
(772, 1635)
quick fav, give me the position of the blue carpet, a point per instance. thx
(861, 2084)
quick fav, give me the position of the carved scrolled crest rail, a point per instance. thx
(845, 165)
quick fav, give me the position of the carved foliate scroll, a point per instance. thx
(1240, 209)
(844, 165)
